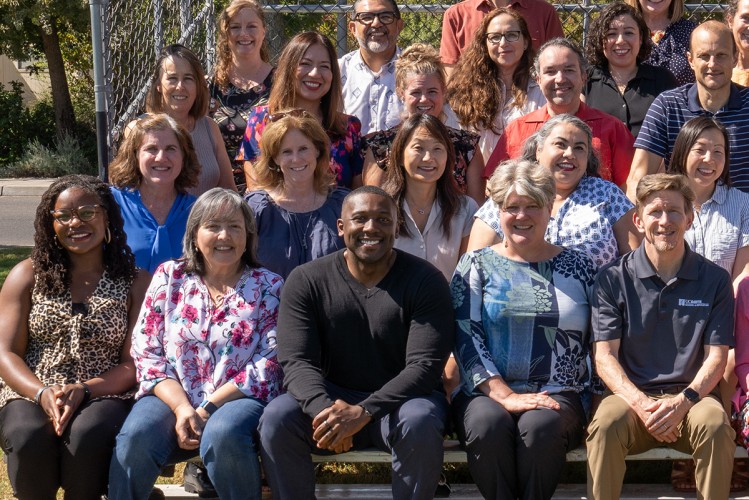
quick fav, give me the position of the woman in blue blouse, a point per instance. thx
(522, 313)
(154, 167)
(297, 205)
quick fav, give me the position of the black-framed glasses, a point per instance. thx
(296, 113)
(83, 213)
(496, 38)
(368, 18)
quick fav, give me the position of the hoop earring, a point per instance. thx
(58, 245)
(108, 236)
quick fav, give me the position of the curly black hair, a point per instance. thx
(50, 260)
(600, 25)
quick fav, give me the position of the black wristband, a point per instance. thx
(86, 392)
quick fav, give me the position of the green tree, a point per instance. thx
(30, 29)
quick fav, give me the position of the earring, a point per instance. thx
(273, 167)
(58, 245)
(108, 236)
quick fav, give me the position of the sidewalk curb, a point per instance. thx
(24, 187)
(22, 190)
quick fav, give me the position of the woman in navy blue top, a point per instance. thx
(297, 206)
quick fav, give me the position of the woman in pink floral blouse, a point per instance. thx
(205, 357)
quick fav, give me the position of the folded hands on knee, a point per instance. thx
(334, 428)
(663, 416)
(60, 403)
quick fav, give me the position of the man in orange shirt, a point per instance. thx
(561, 73)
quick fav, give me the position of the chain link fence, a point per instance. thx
(135, 31)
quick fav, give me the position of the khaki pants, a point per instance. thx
(616, 431)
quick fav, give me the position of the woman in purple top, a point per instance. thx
(308, 78)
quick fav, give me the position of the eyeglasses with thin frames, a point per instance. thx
(368, 18)
(84, 213)
(496, 38)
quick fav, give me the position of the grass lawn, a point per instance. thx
(9, 257)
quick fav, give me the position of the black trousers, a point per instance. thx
(517, 455)
(40, 462)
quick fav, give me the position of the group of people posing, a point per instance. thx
(508, 238)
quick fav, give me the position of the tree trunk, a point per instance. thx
(64, 114)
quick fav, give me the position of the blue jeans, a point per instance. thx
(148, 441)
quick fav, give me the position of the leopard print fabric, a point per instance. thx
(66, 348)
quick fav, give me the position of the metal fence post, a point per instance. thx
(341, 32)
(102, 149)
(210, 38)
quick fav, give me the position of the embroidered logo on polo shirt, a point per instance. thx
(693, 303)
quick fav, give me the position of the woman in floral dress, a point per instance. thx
(205, 357)
(522, 315)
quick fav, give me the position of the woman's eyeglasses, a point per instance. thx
(296, 113)
(368, 18)
(496, 38)
(83, 213)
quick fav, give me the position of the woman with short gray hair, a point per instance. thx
(522, 315)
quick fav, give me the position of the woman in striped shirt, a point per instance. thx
(720, 231)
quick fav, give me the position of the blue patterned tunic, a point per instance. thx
(584, 221)
(527, 322)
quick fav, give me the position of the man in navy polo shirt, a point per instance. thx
(712, 56)
(662, 326)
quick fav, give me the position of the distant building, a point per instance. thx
(35, 86)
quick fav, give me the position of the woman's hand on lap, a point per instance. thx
(518, 403)
(189, 427)
(68, 399)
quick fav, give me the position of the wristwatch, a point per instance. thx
(691, 395)
(209, 407)
(367, 412)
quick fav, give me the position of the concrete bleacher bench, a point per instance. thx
(454, 454)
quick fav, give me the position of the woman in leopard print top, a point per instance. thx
(65, 320)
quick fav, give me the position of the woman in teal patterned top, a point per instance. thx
(522, 317)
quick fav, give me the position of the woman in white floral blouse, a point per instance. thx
(588, 213)
(205, 357)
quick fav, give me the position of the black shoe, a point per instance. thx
(197, 481)
(156, 494)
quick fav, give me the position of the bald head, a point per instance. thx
(715, 30)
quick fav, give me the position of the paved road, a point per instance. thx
(17, 220)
